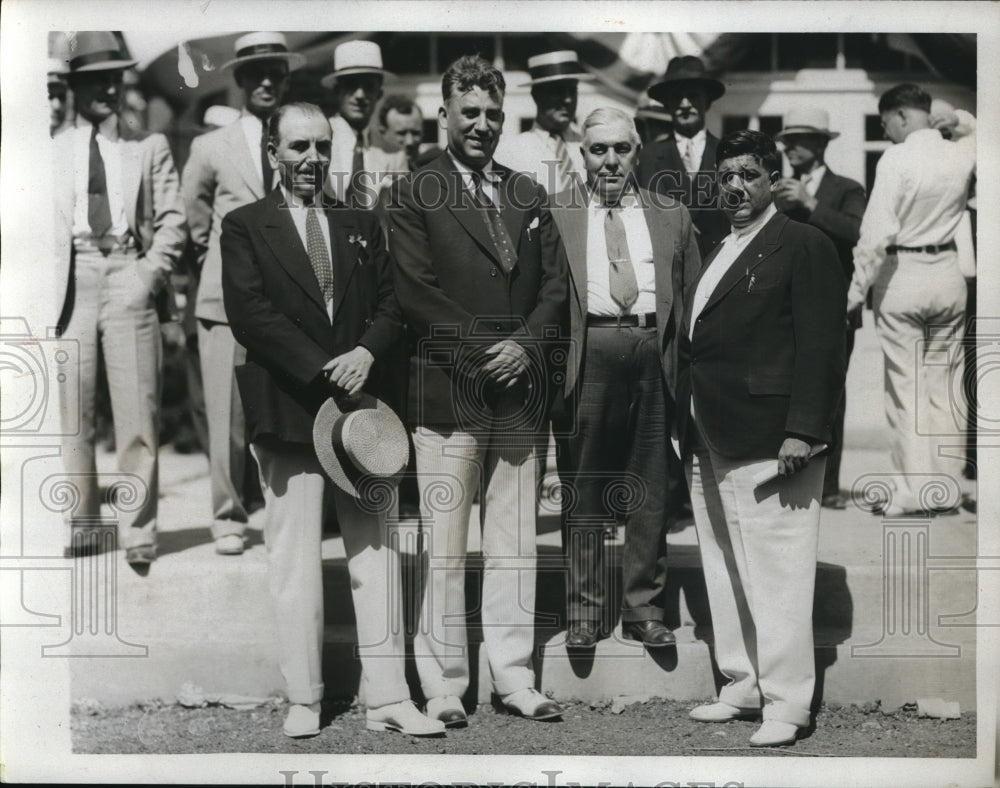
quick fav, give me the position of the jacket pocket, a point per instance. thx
(765, 385)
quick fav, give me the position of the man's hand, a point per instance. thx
(793, 456)
(854, 316)
(349, 371)
(945, 121)
(790, 193)
(508, 362)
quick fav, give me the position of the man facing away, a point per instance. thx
(229, 168)
(834, 204)
(760, 370)
(631, 259)
(907, 255)
(481, 277)
(119, 234)
(308, 290)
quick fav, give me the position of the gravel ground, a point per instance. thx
(654, 727)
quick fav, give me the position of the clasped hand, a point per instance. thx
(348, 372)
(507, 363)
(793, 456)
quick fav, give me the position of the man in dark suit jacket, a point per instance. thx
(619, 381)
(834, 204)
(683, 164)
(481, 276)
(760, 370)
(308, 292)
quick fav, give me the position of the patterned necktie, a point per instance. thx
(351, 194)
(98, 206)
(687, 153)
(624, 289)
(563, 165)
(319, 257)
(266, 171)
(494, 224)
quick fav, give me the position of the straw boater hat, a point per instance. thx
(554, 67)
(96, 50)
(264, 46)
(355, 57)
(685, 71)
(57, 70)
(807, 120)
(363, 449)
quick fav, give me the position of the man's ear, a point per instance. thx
(443, 117)
(272, 155)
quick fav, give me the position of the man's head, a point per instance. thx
(401, 125)
(610, 148)
(687, 92)
(97, 95)
(58, 97)
(555, 103)
(264, 84)
(299, 142)
(904, 109)
(472, 113)
(356, 81)
(748, 166)
(805, 136)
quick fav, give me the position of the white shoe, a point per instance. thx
(302, 721)
(403, 717)
(773, 733)
(721, 712)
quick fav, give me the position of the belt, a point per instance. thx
(647, 320)
(106, 244)
(930, 249)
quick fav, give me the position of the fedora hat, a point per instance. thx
(96, 50)
(264, 46)
(361, 446)
(807, 120)
(682, 71)
(355, 57)
(555, 66)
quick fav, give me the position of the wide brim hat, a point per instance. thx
(253, 47)
(362, 446)
(807, 120)
(686, 70)
(355, 57)
(57, 70)
(556, 67)
(96, 50)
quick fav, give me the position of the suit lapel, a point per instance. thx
(575, 241)
(241, 160)
(510, 207)
(131, 177)
(663, 249)
(464, 210)
(826, 191)
(760, 248)
(345, 255)
(281, 236)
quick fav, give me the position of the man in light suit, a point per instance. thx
(481, 278)
(625, 301)
(229, 168)
(760, 370)
(834, 204)
(308, 290)
(357, 167)
(120, 231)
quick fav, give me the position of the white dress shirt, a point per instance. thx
(730, 249)
(376, 161)
(812, 180)
(299, 214)
(491, 179)
(534, 152)
(640, 247)
(109, 143)
(697, 145)
(253, 130)
(920, 193)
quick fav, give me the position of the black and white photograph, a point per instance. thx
(536, 393)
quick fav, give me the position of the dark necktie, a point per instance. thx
(351, 195)
(266, 171)
(494, 224)
(319, 257)
(98, 207)
(624, 289)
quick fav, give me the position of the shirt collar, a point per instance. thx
(816, 175)
(750, 229)
(345, 129)
(108, 127)
(700, 137)
(293, 203)
(488, 173)
(628, 200)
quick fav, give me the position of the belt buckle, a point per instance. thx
(641, 318)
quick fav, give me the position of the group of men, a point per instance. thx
(674, 312)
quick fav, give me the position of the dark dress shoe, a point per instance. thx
(650, 633)
(140, 556)
(582, 634)
(530, 704)
(834, 501)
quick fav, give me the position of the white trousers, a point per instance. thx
(293, 483)
(451, 467)
(919, 303)
(758, 551)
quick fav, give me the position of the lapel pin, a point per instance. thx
(532, 226)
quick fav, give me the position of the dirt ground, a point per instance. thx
(654, 727)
